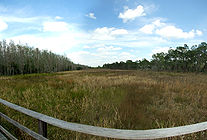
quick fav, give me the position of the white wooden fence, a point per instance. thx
(97, 131)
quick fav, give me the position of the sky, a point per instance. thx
(95, 32)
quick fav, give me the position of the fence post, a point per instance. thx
(42, 128)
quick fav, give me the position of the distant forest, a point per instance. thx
(181, 59)
(22, 59)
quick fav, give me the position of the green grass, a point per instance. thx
(107, 98)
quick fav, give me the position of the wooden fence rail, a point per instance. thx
(100, 131)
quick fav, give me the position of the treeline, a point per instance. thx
(180, 59)
(22, 59)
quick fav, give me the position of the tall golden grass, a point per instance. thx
(108, 98)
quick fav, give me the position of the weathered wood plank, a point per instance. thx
(23, 128)
(109, 132)
(9, 135)
(42, 128)
(2, 137)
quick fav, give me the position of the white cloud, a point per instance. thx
(127, 56)
(158, 23)
(3, 25)
(58, 17)
(85, 57)
(147, 29)
(106, 33)
(55, 26)
(108, 48)
(160, 49)
(23, 20)
(59, 43)
(168, 31)
(102, 34)
(131, 14)
(119, 32)
(91, 15)
(86, 47)
(81, 57)
(103, 30)
(136, 40)
(174, 32)
(199, 33)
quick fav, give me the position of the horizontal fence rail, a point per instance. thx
(23, 128)
(10, 136)
(110, 132)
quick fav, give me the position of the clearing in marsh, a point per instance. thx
(107, 98)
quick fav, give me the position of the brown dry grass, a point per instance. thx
(108, 98)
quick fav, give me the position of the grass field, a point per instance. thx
(108, 98)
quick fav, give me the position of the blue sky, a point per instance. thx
(95, 32)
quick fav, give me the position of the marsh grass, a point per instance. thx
(107, 98)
